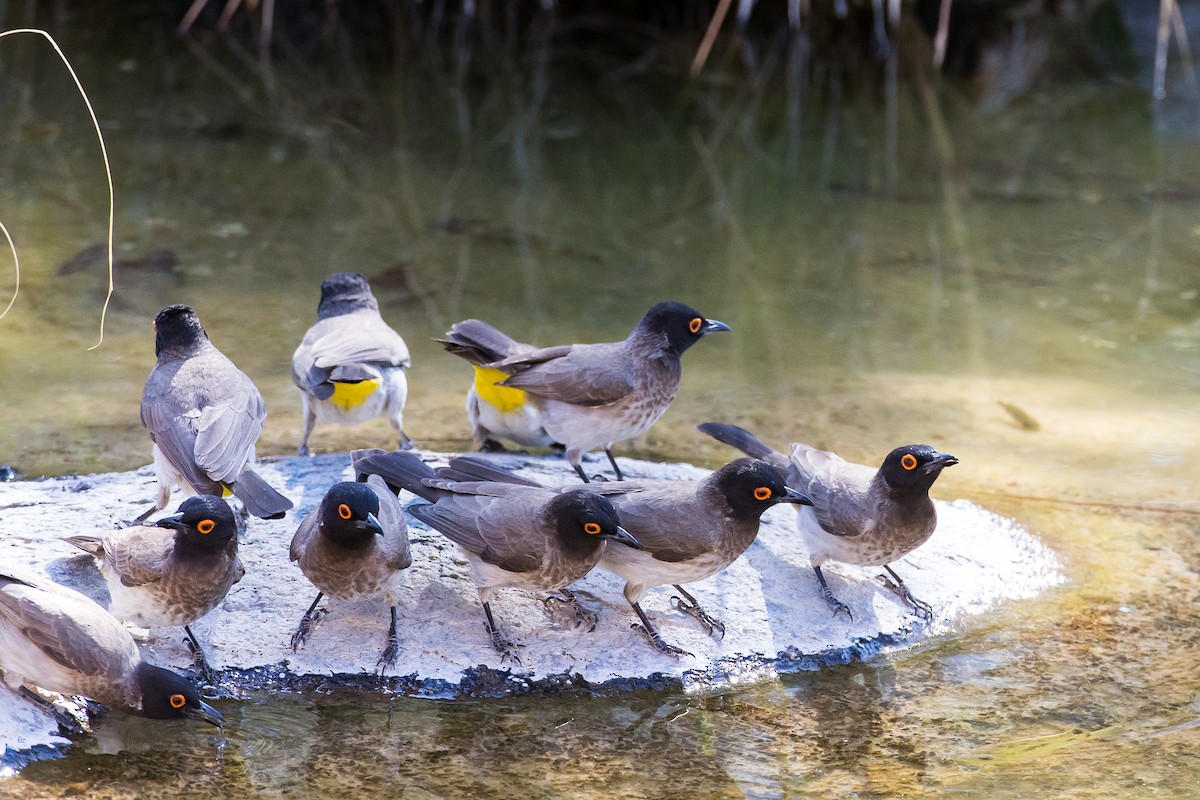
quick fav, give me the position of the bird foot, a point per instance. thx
(581, 617)
(306, 628)
(837, 605)
(711, 624)
(900, 589)
(405, 442)
(505, 647)
(492, 446)
(388, 659)
(658, 642)
(204, 671)
(303, 450)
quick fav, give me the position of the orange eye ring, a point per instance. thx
(177, 701)
(908, 461)
(591, 528)
(344, 511)
(205, 526)
(695, 325)
(762, 493)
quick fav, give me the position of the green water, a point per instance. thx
(1043, 257)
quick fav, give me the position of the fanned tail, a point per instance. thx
(480, 343)
(258, 496)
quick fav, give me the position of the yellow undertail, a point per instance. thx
(348, 395)
(504, 398)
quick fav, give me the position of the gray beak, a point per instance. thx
(208, 714)
(713, 326)
(942, 461)
(792, 496)
(374, 524)
(174, 521)
(623, 537)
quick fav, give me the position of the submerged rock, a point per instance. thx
(768, 599)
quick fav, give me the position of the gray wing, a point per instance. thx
(395, 529)
(139, 554)
(838, 489)
(582, 374)
(346, 347)
(502, 530)
(306, 531)
(665, 518)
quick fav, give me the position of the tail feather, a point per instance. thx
(88, 544)
(480, 343)
(258, 496)
(400, 469)
(745, 441)
(470, 469)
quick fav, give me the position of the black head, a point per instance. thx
(751, 486)
(168, 695)
(177, 329)
(204, 521)
(914, 467)
(682, 325)
(584, 520)
(349, 513)
(345, 293)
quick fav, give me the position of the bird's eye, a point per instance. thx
(205, 526)
(591, 527)
(762, 493)
(344, 511)
(177, 701)
(909, 462)
(695, 325)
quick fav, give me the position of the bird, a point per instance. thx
(690, 530)
(204, 416)
(859, 515)
(594, 395)
(512, 532)
(354, 545)
(495, 412)
(173, 572)
(58, 640)
(350, 365)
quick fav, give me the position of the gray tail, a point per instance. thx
(740, 438)
(400, 469)
(480, 343)
(258, 496)
(469, 468)
(88, 544)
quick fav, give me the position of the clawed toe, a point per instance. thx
(659, 643)
(711, 624)
(305, 630)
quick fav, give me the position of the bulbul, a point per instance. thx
(593, 395)
(54, 638)
(495, 412)
(353, 546)
(350, 366)
(204, 416)
(511, 533)
(174, 572)
(859, 515)
(691, 530)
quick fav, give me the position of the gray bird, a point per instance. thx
(593, 395)
(173, 572)
(512, 533)
(495, 412)
(54, 638)
(204, 416)
(350, 366)
(354, 546)
(859, 515)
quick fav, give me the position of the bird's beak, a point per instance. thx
(942, 461)
(208, 714)
(374, 524)
(713, 326)
(792, 496)
(174, 521)
(624, 538)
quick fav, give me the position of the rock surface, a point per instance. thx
(775, 619)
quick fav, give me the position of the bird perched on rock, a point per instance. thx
(593, 395)
(494, 411)
(54, 638)
(512, 532)
(204, 416)
(353, 546)
(859, 515)
(350, 366)
(173, 572)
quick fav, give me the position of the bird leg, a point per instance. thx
(584, 618)
(652, 634)
(310, 420)
(204, 671)
(310, 620)
(406, 443)
(388, 659)
(612, 460)
(505, 647)
(838, 605)
(583, 475)
(690, 606)
(490, 445)
(72, 717)
(897, 586)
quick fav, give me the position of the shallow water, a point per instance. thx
(1042, 258)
